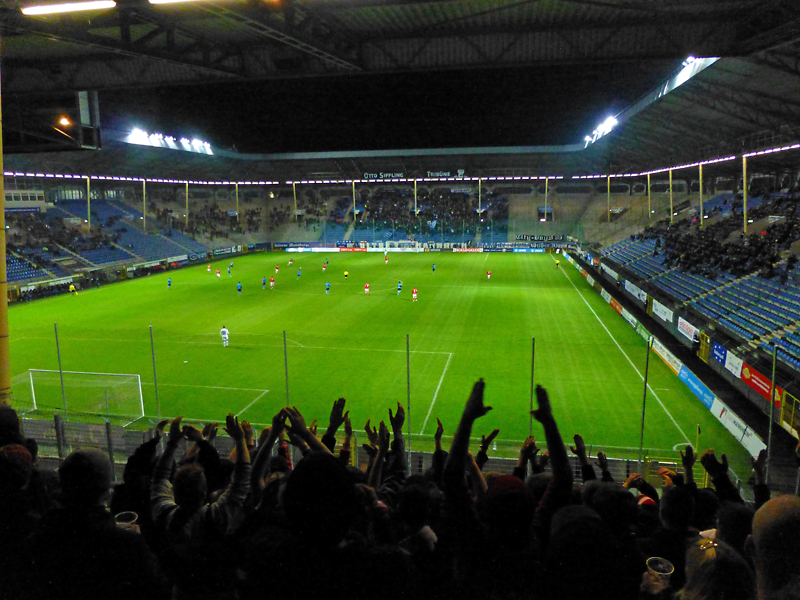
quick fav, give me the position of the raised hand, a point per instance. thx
(544, 458)
(602, 461)
(398, 418)
(710, 463)
(159, 433)
(371, 450)
(233, 428)
(383, 438)
(486, 440)
(372, 434)
(313, 428)
(279, 420)
(759, 465)
(248, 433)
(439, 431)
(348, 426)
(337, 416)
(475, 408)
(688, 459)
(633, 481)
(579, 449)
(528, 449)
(210, 430)
(297, 422)
(175, 429)
(667, 475)
(544, 412)
(192, 434)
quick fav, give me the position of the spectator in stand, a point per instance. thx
(195, 554)
(78, 550)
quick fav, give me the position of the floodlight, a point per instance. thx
(50, 9)
(64, 121)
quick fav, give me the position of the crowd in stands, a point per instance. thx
(30, 233)
(709, 250)
(255, 525)
(440, 210)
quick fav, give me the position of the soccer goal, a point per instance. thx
(113, 396)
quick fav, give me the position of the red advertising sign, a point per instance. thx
(761, 384)
(352, 249)
(618, 307)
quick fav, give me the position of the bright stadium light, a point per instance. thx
(52, 9)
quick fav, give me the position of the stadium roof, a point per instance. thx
(744, 102)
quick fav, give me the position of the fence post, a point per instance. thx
(59, 434)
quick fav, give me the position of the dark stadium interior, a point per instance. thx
(472, 125)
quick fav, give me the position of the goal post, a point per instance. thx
(116, 397)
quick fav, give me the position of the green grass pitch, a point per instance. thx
(349, 344)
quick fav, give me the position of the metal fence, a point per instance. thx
(56, 438)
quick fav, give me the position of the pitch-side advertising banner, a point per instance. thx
(629, 318)
(697, 387)
(734, 364)
(467, 249)
(668, 357)
(662, 312)
(610, 271)
(636, 292)
(590, 279)
(686, 328)
(606, 296)
(761, 383)
(616, 306)
(719, 352)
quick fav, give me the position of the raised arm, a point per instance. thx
(457, 460)
(718, 471)
(267, 441)
(483, 453)
(299, 428)
(579, 450)
(335, 421)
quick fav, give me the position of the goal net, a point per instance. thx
(112, 396)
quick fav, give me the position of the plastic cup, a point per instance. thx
(127, 520)
(660, 567)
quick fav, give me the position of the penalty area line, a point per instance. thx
(436, 393)
(652, 391)
(261, 395)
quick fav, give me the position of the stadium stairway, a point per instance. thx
(348, 234)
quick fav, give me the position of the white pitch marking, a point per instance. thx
(436, 393)
(208, 387)
(264, 393)
(674, 422)
(256, 345)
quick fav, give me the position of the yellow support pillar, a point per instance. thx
(238, 216)
(5, 371)
(702, 216)
(294, 194)
(354, 201)
(671, 208)
(744, 191)
(608, 198)
(649, 202)
(144, 206)
(415, 197)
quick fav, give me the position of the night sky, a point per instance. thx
(500, 107)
